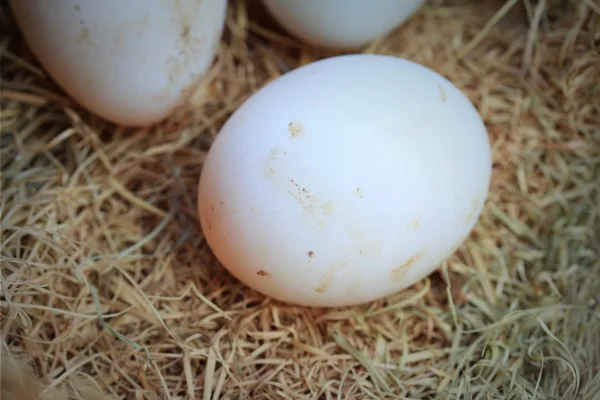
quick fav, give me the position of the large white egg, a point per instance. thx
(131, 62)
(345, 180)
(342, 24)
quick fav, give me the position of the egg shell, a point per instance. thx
(345, 180)
(341, 24)
(130, 62)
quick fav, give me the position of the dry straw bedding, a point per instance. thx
(108, 286)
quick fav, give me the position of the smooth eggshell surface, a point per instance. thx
(342, 24)
(131, 62)
(345, 180)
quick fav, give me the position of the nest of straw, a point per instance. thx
(108, 289)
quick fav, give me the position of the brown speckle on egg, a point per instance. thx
(402, 268)
(414, 225)
(295, 129)
(326, 280)
(185, 32)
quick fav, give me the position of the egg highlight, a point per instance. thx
(341, 24)
(345, 180)
(130, 62)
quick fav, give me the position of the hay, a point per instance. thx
(108, 287)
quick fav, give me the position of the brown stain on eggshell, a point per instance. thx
(414, 225)
(366, 248)
(326, 280)
(442, 94)
(400, 270)
(262, 272)
(83, 37)
(302, 195)
(473, 210)
(208, 222)
(192, 47)
(295, 129)
(308, 201)
(274, 170)
(214, 212)
(272, 160)
(185, 33)
(327, 208)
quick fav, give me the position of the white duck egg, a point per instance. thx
(342, 24)
(345, 180)
(130, 62)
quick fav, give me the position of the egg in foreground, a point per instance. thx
(345, 180)
(130, 62)
(341, 24)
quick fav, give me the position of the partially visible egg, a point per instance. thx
(341, 24)
(130, 62)
(345, 180)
